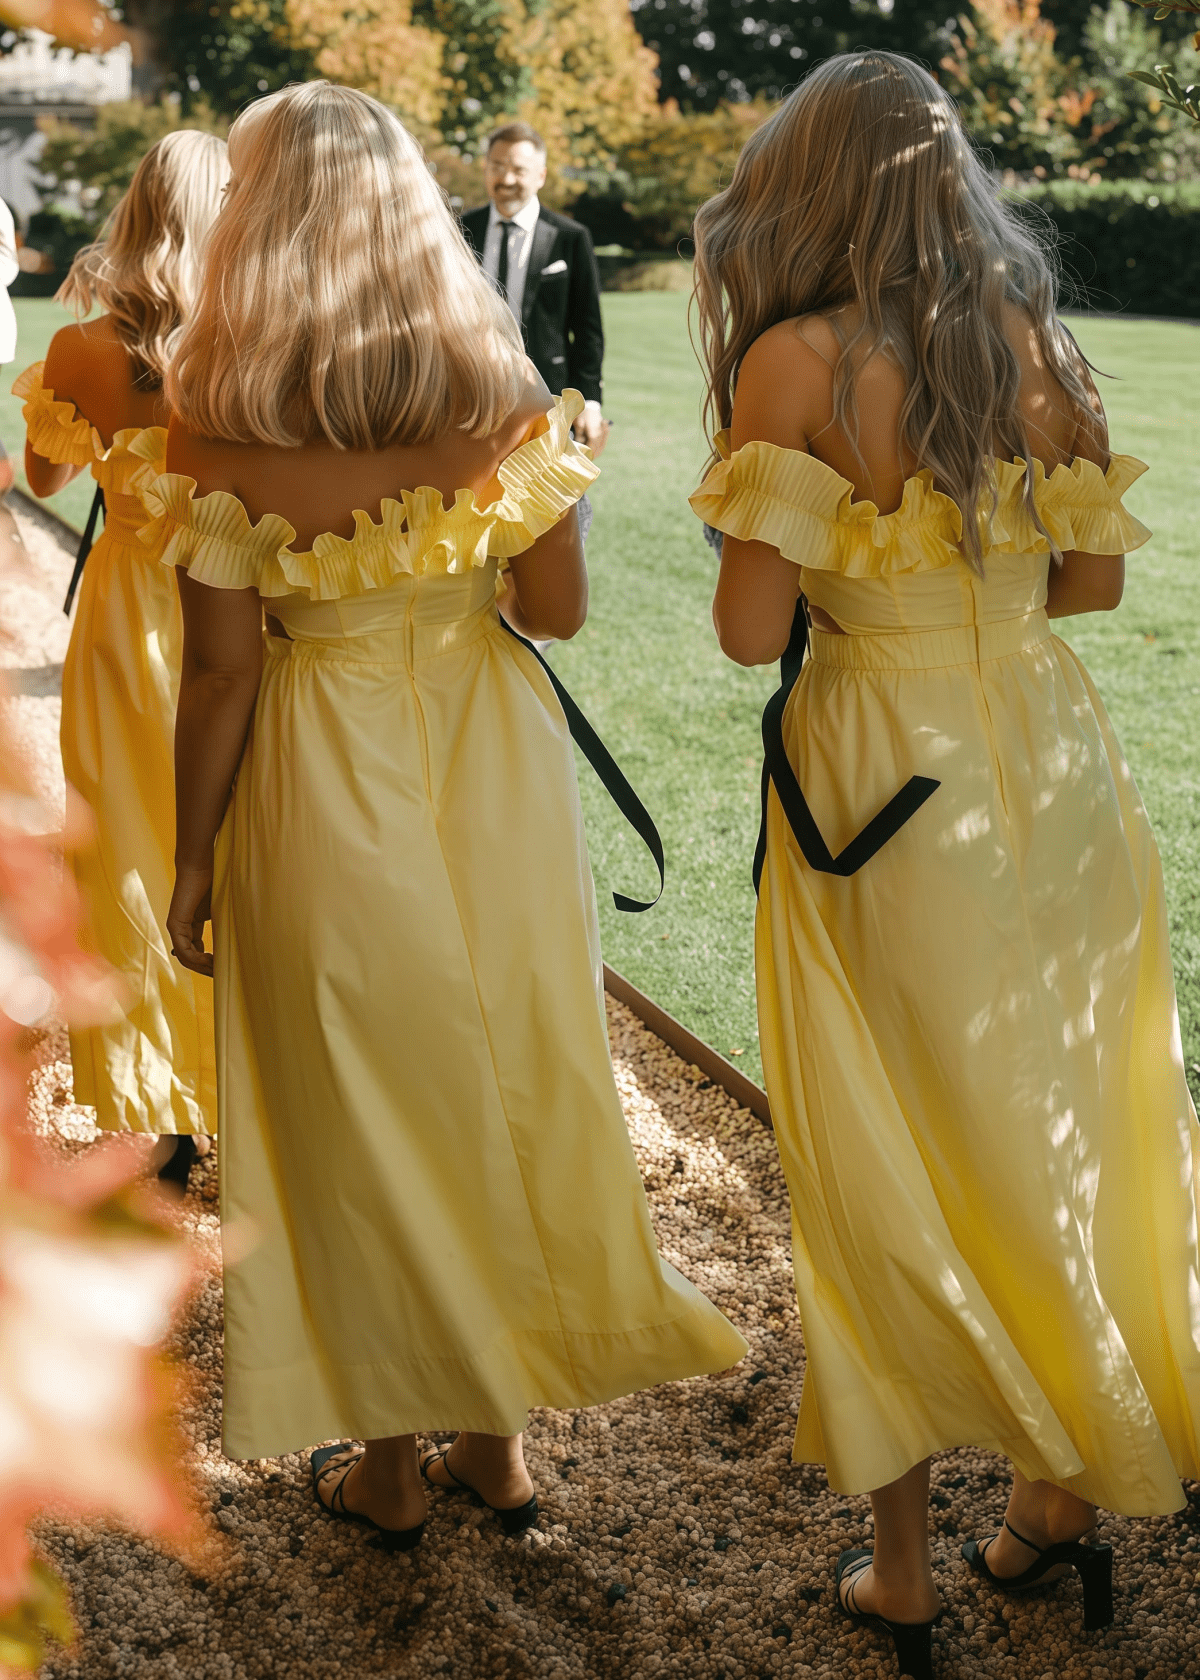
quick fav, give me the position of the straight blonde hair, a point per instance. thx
(340, 299)
(864, 189)
(144, 268)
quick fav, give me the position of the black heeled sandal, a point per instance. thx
(1094, 1563)
(913, 1641)
(177, 1167)
(390, 1539)
(515, 1520)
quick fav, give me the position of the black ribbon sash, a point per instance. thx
(85, 547)
(612, 778)
(778, 770)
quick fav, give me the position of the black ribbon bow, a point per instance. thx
(778, 770)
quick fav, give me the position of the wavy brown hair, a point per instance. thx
(340, 298)
(864, 189)
(144, 268)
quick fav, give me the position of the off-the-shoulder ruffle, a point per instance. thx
(213, 536)
(61, 435)
(55, 429)
(1080, 505)
(807, 511)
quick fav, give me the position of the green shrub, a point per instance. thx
(1125, 245)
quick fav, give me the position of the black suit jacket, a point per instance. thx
(560, 311)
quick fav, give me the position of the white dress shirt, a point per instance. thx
(520, 243)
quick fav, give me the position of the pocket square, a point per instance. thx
(558, 267)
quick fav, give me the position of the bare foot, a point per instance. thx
(383, 1499)
(908, 1600)
(491, 1465)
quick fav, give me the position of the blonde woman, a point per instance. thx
(99, 387)
(418, 1111)
(966, 999)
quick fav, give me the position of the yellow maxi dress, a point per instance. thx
(971, 1045)
(423, 1151)
(154, 1070)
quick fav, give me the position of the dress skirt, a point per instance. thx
(155, 1069)
(434, 1213)
(973, 1057)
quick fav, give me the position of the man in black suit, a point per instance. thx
(544, 266)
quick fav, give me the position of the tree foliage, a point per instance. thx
(590, 84)
(374, 45)
(102, 159)
(219, 53)
(1040, 113)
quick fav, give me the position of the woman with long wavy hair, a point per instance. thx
(419, 1117)
(153, 1070)
(966, 1000)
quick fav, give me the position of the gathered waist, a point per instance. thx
(922, 650)
(410, 642)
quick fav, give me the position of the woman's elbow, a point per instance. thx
(748, 644)
(1112, 591)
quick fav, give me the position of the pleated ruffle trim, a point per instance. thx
(806, 510)
(60, 434)
(212, 535)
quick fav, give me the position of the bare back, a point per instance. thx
(785, 397)
(797, 398)
(317, 487)
(88, 365)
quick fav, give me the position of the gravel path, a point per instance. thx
(676, 1538)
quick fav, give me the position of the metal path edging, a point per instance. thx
(693, 1050)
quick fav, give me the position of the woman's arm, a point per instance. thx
(547, 593)
(756, 593)
(60, 376)
(1087, 583)
(222, 666)
(545, 596)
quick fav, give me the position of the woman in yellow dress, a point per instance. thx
(99, 387)
(420, 1125)
(965, 991)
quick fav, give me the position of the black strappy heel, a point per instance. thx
(390, 1539)
(515, 1520)
(1094, 1563)
(177, 1168)
(913, 1640)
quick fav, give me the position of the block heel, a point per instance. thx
(913, 1641)
(1093, 1563)
(1096, 1573)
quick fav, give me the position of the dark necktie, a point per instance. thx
(502, 267)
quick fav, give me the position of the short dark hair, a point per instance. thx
(511, 133)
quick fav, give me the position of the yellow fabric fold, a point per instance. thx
(214, 538)
(55, 429)
(807, 511)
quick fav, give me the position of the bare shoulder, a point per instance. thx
(534, 402)
(1053, 411)
(785, 384)
(83, 348)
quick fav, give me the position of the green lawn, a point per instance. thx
(685, 723)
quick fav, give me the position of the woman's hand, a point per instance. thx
(191, 907)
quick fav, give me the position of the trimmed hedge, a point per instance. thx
(1126, 245)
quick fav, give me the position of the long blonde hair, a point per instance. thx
(863, 189)
(144, 267)
(340, 298)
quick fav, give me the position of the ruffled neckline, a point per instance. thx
(808, 511)
(57, 430)
(215, 538)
